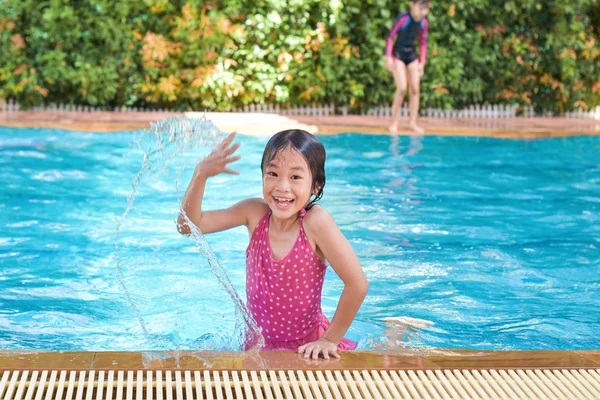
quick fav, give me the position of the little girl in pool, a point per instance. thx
(291, 238)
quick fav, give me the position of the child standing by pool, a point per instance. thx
(401, 60)
(291, 238)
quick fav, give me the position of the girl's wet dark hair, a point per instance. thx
(309, 147)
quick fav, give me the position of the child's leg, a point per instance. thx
(414, 83)
(400, 79)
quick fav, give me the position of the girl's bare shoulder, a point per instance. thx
(318, 219)
(256, 208)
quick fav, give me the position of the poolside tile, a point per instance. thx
(356, 360)
(117, 360)
(257, 124)
(213, 360)
(509, 359)
(292, 360)
(45, 360)
(263, 360)
(593, 355)
(169, 360)
(134, 360)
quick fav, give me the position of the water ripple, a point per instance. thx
(493, 241)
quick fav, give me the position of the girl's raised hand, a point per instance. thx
(216, 162)
(321, 346)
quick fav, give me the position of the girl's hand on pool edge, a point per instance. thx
(321, 346)
(217, 161)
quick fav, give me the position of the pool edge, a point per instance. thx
(264, 125)
(288, 360)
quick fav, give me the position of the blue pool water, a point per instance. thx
(494, 241)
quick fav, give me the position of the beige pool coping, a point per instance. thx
(288, 360)
(261, 124)
(257, 124)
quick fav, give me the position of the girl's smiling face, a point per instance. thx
(287, 183)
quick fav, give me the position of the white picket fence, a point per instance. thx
(312, 110)
(475, 111)
(11, 105)
(479, 111)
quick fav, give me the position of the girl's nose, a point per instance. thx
(283, 185)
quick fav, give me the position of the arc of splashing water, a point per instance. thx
(174, 136)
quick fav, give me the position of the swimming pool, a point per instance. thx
(495, 241)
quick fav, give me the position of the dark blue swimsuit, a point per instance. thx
(406, 31)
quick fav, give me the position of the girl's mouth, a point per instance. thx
(283, 203)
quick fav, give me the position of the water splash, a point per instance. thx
(168, 140)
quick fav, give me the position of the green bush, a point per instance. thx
(224, 54)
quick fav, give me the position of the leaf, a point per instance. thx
(452, 10)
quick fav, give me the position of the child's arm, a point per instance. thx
(212, 221)
(423, 44)
(342, 258)
(401, 21)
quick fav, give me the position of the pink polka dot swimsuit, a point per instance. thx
(284, 296)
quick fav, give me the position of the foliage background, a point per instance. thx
(223, 54)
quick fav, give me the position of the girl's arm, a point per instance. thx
(400, 22)
(342, 258)
(212, 221)
(423, 41)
